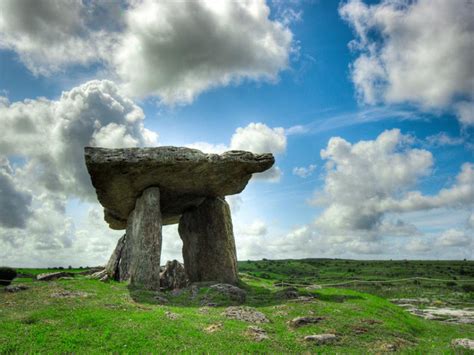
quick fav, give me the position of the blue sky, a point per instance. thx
(367, 107)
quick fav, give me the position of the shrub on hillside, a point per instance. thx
(7, 274)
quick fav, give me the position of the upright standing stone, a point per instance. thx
(142, 250)
(208, 242)
(113, 266)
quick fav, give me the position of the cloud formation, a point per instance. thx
(15, 204)
(174, 50)
(369, 181)
(177, 50)
(50, 35)
(304, 172)
(406, 53)
(48, 138)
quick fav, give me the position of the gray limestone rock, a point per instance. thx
(53, 276)
(142, 250)
(15, 288)
(208, 242)
(185, 177)
(246, 314)
(113, 266)
(173, 276)
(320, 339)
(301, 321)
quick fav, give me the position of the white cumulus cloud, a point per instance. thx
(173, 50)
(414, 51)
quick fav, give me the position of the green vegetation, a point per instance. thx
(87, 316)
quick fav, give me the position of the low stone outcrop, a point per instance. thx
(53, 276)
(321, 339)
(246, 314)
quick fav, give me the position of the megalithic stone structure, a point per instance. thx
(142, 189)
(208, 242)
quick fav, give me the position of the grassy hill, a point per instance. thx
(87, 316)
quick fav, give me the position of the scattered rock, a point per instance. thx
(359, 330)
(388, 347)
(15, 288)
(213, 328)
(288, 293)
(232, 292)
(173, 276)
(301, 321)
(314, 287)
(204, 310)
(256, 333)
(410, 300)
(160, 299)
(451, 315)
(247, 314)
(463, 343)
(171, 315)
(303, 299)
(53, 276)
(321, 339)
(69, 294)
(101, 275)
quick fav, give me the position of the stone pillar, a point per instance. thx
(208, 242)
(113, 266)
(140, 259)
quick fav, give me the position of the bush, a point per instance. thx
(451, 284)
(468, 288)
(7, 274)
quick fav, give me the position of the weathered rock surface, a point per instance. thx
(185, 177)
(288, 293)
(101, 275)
(320, 339)
(15, 288)
(143, 241)
(247, 314)
(173, 276)
(214, 328)
(301, 321)
(208, 242)
(53, 276)
(113, 266)
(232, 292)
(256, 333)
(463, 343)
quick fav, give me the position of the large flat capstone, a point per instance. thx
(184, 176)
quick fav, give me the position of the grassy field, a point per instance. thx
(88, 316)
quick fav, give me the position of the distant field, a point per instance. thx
(88, 316)
(459, 275)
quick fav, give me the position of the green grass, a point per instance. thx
(113, 318)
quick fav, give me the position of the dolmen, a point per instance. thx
(142, 189)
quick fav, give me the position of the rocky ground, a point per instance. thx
(263, 314)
